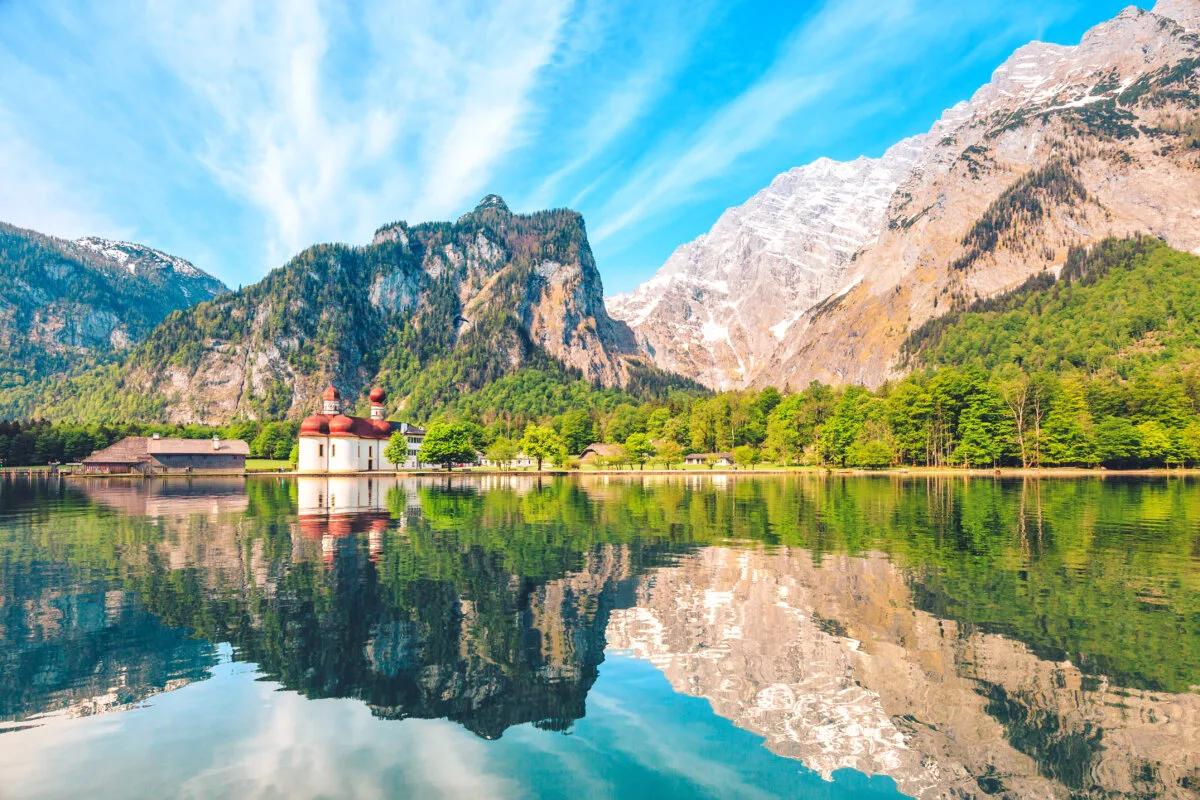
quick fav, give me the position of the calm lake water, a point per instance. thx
(692, 636)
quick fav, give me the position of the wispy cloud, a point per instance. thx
(323, 151)
(658, 40)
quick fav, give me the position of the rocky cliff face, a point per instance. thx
(721, 304)
(832, 664)
(1065, 145)
(68, 302)
(435, 309)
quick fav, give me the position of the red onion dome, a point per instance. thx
(341, 424)
(313, 425)
(331, 393)
(382, 427)
(378, 396)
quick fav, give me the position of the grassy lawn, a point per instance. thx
(268, 465)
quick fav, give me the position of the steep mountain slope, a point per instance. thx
(428, 311)
(1064, 147)
(65, 303)
(718, 307)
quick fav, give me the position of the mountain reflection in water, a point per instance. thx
(962, 638)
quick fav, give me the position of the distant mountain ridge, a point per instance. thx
(1065, 146)
(66, 303)
(430, 312)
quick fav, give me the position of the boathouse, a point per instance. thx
(156, 455)
(596, 451)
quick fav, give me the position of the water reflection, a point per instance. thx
(965, 638)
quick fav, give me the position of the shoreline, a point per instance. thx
(820, 472)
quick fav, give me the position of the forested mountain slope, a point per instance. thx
(430, 312)
(65, 304)
(1121, 306)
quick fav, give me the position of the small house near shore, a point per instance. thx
(519, 461)
(598, 451)
(709, 459)
(156, 455)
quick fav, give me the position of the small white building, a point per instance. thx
(519, 461)
(333, 442)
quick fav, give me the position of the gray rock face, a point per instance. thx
(718, 308)
(789, 288)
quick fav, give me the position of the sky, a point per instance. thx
(235, 133)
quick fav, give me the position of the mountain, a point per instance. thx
(66, 303)
(431, 312)
(1065, 146)
(720, 305)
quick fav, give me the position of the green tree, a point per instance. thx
(793, 422)
(669, 452)
(745, 456)
(638, 449)
(676, 429)
(502, 451)
(871, 453)
(1117, 442)
(275, 440)
(1067, 434)
(1154, 442)
(844, 427)
(396, 450)
(984, 429)
(625, 420)
(657, 421)
(447, 443)
(577, 430)
(541, 443)
(909, 411)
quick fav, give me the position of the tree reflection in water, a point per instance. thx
(970, 636)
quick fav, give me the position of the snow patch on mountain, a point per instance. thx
(135, 257)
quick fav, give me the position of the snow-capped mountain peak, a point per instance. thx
(135, 257)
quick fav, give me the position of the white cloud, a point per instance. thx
(325, 150)
(662, 42)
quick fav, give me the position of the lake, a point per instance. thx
(666, 636)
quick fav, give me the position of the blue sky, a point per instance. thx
(235, 133)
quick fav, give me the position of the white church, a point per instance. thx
(332, 442)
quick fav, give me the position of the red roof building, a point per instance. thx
(336, 442)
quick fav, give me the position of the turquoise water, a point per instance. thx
(691, 636)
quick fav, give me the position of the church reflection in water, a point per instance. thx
(490, 602)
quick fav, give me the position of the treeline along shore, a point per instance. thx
(948, 418)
